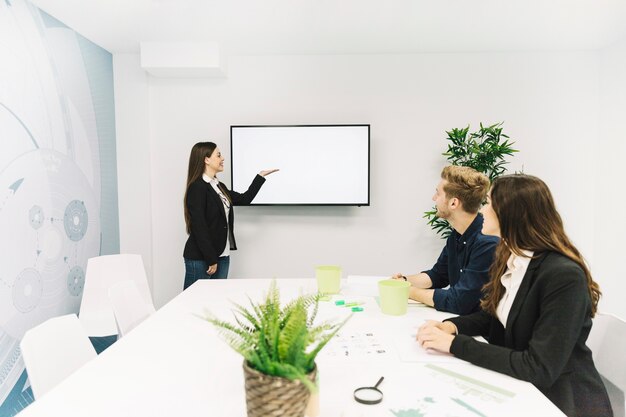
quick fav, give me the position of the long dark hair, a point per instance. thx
(528, 221)
(199, 151)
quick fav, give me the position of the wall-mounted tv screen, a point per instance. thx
(319, 164)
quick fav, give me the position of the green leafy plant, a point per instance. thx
(279, 341)
(484, 150)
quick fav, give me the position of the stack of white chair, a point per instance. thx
(607, 342)
(113, 286)
(54, 350)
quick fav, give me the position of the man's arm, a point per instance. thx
(422, 295)
(464, 296)
(420, 280)
(421, 283)
(436, 277)
(419, 287)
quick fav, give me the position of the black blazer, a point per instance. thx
(544, 341)
(209, 227)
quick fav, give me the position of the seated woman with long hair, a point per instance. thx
(537, 307)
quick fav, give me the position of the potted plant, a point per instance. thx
(484, 150)
(279, 346)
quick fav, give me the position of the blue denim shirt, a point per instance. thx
(464, 266)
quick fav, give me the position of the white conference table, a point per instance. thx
(175, 364)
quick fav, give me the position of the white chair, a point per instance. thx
(607, 342)
(129, 307)
(96, 311)
(53, 350)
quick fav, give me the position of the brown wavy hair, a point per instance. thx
(466, 184)
(199, 151)
(528, 221)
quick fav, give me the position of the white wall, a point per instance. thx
(133, 156)
(610, 181)
(549, 102)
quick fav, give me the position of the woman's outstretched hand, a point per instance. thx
(267, 172)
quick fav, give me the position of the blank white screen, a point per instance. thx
(318, 164)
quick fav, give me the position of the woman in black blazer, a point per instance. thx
(209, 216)
(537, 307)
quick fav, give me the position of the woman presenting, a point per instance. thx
(537, 308)
(209, 216)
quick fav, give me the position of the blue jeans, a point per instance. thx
(196, 269)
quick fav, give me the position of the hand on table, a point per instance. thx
(398, 276)
(436, 335)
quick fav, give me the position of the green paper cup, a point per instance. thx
(394, 296)
(328, 278)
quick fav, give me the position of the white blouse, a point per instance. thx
(511, 280)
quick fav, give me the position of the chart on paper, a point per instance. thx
(438, 406)
(360, 345)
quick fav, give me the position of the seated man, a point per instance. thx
(465, 260)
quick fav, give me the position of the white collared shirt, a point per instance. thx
(214, 183)
(511, 280)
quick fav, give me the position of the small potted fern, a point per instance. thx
(279, 346)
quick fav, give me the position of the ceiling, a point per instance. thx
(258, 27)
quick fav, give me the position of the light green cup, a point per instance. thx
(394, 296)
(328, 278)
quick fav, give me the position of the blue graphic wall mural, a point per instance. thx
(58, 183)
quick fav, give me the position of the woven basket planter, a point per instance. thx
(273, 396)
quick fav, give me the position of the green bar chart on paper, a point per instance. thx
(492, 388)
(471, 398)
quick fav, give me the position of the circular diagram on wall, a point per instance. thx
(54, 90)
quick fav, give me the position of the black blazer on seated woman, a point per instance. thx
(544, 342)
(209, 227)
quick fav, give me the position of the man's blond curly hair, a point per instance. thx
(466, 184)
